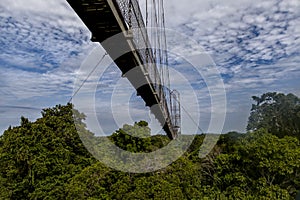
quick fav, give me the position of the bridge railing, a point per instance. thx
(132, 15)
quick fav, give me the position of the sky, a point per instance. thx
(44, 46)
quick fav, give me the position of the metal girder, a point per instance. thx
(107, 18)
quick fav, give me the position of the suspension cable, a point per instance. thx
(146, 13)
(190, 116)
(159, 44)
(165, 45)
(85, 80)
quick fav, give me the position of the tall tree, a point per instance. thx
(38, 158)
(276, 112)
(262, 165)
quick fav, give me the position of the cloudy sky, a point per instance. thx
(255, 46)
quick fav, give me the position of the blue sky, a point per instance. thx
(255, 45)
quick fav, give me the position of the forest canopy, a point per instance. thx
(46, 159)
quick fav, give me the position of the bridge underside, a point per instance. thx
(104, 20)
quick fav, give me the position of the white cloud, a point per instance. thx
(255, 44)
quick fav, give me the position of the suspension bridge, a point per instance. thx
(146, 57)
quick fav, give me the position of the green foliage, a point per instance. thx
(47, 160)
(229, 141)
(133, 138)
(137, 138)
(262, 165)
(277, 113)
(38, 158)
(91, 182)
(180, 180)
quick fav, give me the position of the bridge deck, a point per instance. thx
(104, 20)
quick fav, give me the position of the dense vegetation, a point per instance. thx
(278, 113)
(46, 159)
